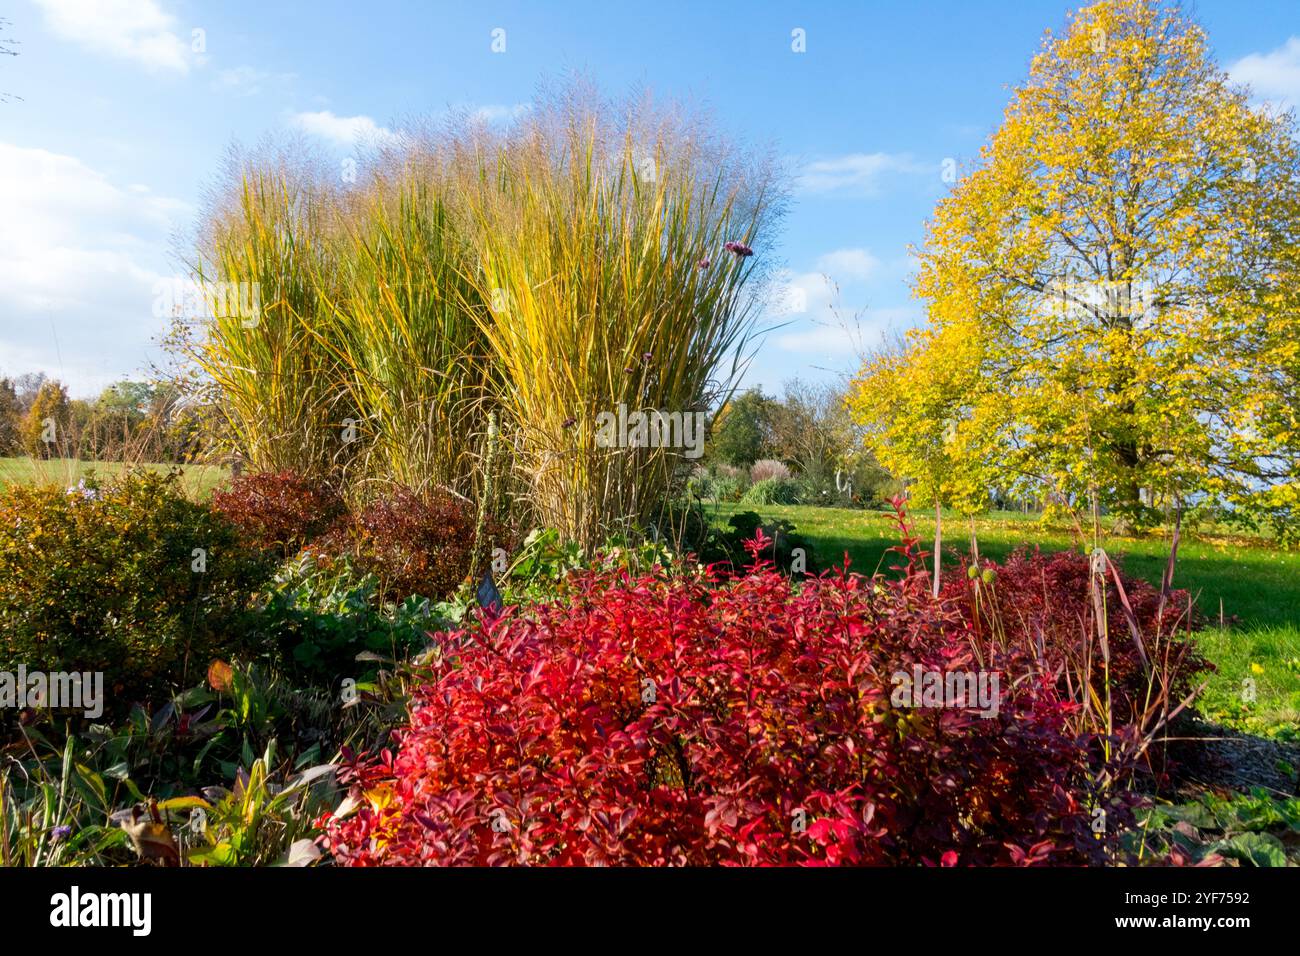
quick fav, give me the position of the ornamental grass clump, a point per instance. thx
(275, 386)
(409, 355)
(593, 262)
(591, 229)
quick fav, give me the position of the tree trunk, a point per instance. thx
(1128, 490)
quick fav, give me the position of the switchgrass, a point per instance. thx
(603, 266)
(276, 387)
(405, 344)
(543, 275)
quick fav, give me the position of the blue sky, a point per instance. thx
(122, 122)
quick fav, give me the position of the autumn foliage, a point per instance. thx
(125, 576)
(1110, 292)
(1043, 600)
(279, 511)
(413, 543)
(654, 720)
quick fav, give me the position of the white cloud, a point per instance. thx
(1274, 76)
(800, 293)
(79, 258)
(346, 131)
(827, 339)
(855, 173)
(814, 292)
(856, 265)
(815, 295)
(841, 339)
(136, 30)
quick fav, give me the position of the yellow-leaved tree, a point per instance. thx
(1114, 290)
(919, 408)
(44, 429)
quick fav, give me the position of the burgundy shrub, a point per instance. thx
(279, 511)
(1042, 603)
(413, 543)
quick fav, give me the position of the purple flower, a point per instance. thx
(60, 833)
(647, 356)
(568, 423)
(739, 249)
(705, 263)
(80, 488)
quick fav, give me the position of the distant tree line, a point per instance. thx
(804, 440)
(127, 421)
(808, 440)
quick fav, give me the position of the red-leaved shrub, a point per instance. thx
(278, 511)
(413, 543)
(1043, 603)
(653, 720)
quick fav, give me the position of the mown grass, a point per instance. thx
(1255, 585)
(1269, 657)
(197, 480)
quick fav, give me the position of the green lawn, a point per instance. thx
(1255, 583)
(1270, 657)
(197, 479)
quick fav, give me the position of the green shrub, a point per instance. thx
(872, 486)
(319, 616)
(772, 491)
(816, 486)
(129, 578)
(546, 562)
(729, 488)
(722, 484)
